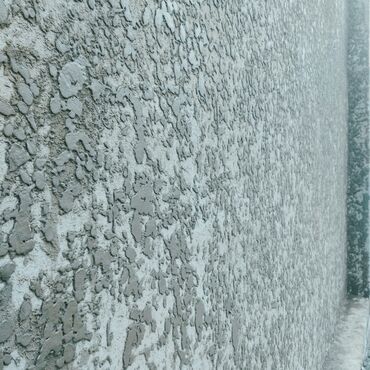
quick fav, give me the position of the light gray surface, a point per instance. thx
(173, 183)
(348, 349)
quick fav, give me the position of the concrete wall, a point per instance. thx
(173, 183)
(359, 155)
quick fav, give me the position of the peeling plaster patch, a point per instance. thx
(71, 79)
(6, 109)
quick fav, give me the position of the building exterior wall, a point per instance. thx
(358, 141)
(173, 183)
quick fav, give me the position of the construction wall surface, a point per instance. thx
(173, 183)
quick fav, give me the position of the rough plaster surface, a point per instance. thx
(173, 183)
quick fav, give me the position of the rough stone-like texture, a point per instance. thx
(358, 142)
(173, 183)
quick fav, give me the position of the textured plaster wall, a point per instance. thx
(173, 183)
